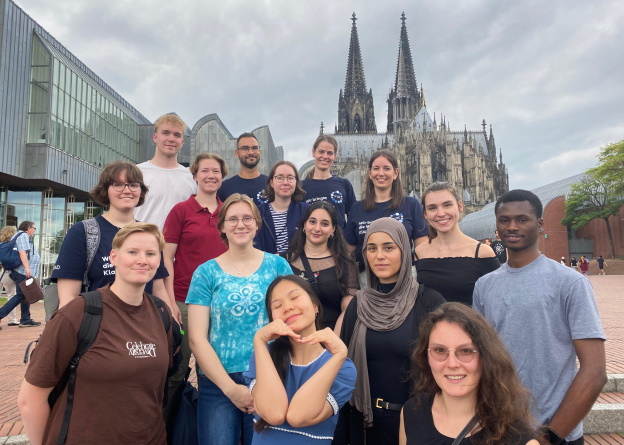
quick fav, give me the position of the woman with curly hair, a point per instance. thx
(466, 385)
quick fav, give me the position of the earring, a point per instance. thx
(331, 236)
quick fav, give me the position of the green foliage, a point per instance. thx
(591, 199)
(610, 167)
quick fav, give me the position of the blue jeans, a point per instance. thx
(18, 298)
(219, 421)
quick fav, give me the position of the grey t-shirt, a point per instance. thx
(539, 310)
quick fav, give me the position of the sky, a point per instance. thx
(546, 75)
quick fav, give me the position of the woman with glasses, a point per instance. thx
(320, 185)
(380, 326)
(318, 252)
(121, 189)
(225, 310)
(466, 385)
(283, 210)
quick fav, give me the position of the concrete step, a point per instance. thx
(607, 414)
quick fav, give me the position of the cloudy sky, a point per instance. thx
(546, 75)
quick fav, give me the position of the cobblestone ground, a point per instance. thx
(13, 342)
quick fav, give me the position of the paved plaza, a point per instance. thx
(13, 342)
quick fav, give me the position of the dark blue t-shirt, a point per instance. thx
(254, 188)
(72, 259)
(410, 213)
(338, 191)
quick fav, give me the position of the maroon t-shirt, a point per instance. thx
(194, 229)
(120, 380)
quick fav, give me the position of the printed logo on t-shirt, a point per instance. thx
(107, 267)
(319, 198)
(261, 198)
(336, 196)
(139, 349)
(247, 300)
(398, 216)
(498, 249)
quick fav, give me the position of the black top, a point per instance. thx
(420, 429)
(454, 277)
(500, 250)
(329, 293)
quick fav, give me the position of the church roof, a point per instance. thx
(478, 136)
(421, 119)
(482, 224)
(365, 144)
(355, 82)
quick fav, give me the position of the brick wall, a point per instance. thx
(553, 242)
(597, 231)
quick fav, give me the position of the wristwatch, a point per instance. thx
(553, 437)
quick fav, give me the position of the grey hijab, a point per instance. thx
(378, 311)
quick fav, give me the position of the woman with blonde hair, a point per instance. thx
(8, 284)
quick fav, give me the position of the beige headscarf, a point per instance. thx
(379, 311)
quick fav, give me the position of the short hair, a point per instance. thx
(233, 199)
(317, 142)
(246, 135)
(396, 192)
(110, 173)
(7, 233)
(25, 225)
(437, 187)
(200, 157)
(299, 193)
(502, 402)
(138, 227)
(521, 195)
(171, 119)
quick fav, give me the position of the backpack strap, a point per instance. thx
(162, 311)
(92, 234)
(309, 274)
(86, 336)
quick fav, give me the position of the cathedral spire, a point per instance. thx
(355, 82)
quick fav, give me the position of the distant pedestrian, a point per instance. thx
(584, 266)
(601, 265)
(574, 263)
(499, 249)
(563, 261)
(7, 283)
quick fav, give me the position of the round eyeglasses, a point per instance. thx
(120, 186)
(464, 355)
(290, 179)
(232, 221)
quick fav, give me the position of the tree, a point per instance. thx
(601, 193)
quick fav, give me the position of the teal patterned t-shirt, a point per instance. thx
(237, 308)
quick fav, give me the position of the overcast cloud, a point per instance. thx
(546, 75)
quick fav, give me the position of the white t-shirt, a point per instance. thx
(167, 187)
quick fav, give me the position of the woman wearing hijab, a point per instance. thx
(380, 326)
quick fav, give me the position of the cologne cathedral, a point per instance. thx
(427, 150)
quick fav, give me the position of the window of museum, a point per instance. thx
(39, 93)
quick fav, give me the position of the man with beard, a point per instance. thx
(547, 317)
(249, 180)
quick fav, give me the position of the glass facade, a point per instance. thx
(69, 113)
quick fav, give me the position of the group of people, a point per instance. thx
(301, 307)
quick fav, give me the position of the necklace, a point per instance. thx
(317, 254)
(236, 268)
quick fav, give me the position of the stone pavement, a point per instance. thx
(610, 298)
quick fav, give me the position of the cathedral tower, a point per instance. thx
(404, 99)
(356, 113)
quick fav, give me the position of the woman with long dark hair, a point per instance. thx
(465, 381)
(321, 185)
(380, 326)
(300, 374)
(283, 210)
(451, 262)
(319, 253)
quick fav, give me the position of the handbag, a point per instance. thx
(182, 429)
(31, 289)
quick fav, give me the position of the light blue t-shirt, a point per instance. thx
(237, 308)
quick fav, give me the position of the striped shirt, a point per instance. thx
(24, 243)
(281, 231)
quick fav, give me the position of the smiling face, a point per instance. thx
(382, 173)
(384, 257)
(284, 189)
(124, 200)
(169, 139)
(248, 152)
(442, 211)
(454, 377)
(137, 259)
(318, 227)
(208, 176)
(517, 225)
(293, 305)
(240, 234)
(324, 155)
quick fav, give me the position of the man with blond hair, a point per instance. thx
(169, 182)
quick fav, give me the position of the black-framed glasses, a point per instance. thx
(120, 186)
(232, 221)
(280, 178)
(464, 355)
(247, 149)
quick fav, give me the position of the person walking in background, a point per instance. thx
(563, 261)
(584, 265)
(319, 253)
(547, 317)
(574, 263)
(601, 264)
(450, 262)
(168, 182)
(226, 309)
(8, 284)
(29, 268)
(281, 214)
(321, 185)
(499, 249)
(249, 180)
(384, 197)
